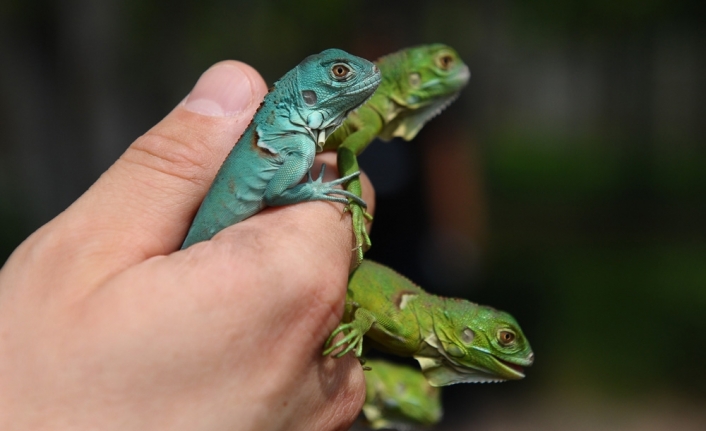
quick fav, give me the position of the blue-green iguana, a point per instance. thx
(264, 168)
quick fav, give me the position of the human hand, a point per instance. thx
(103, 325)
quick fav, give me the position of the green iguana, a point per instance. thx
(398, 396)
(264, 168)
(417, 83)
(453, 340)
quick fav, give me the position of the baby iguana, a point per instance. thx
(417, 83)
(264, 168)
(453, 340)
(398, 397)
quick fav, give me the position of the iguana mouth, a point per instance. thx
(514, 371)
(465, 372)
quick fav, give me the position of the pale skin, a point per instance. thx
(104, 325)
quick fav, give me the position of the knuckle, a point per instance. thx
(176, 156)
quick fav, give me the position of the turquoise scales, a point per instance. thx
(453, 340)
(278, 147)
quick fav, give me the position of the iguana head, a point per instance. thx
(328, 86)
(474, 343)
(420, 81)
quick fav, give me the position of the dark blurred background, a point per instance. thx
(566, 185)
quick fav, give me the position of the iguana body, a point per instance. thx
(453, 340)
(417, 83)
(264, 168)
(398, 396)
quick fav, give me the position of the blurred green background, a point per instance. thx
(566, 185)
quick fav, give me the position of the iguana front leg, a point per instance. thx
(313, 190)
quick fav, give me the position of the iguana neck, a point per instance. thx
(431, 318)
(279, 110)
(384, 104)
(389, 95)
(284, 90)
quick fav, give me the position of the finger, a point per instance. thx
(337, 392)
(368, 192)
(329, 158)
(147, 199)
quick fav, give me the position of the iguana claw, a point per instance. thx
(354, 339)
(319, 190)
(362, 239)
(348, 196)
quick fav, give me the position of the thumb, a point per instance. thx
(143, 204)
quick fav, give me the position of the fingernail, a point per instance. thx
(222, 91)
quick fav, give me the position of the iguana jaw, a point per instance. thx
(441, 372)
(441, 369)
(408, 117)
(514, 370)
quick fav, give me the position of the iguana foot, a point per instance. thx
(320, 190)
(354, 339)
(362, 240)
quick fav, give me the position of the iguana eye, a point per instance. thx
(340, 71)
(506, 337)
(445, 61)
(415, 79)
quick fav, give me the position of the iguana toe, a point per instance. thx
(362, 239)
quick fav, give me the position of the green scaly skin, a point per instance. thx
(417, 83)
(399, 397)
(454, 340)
(278, 147)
